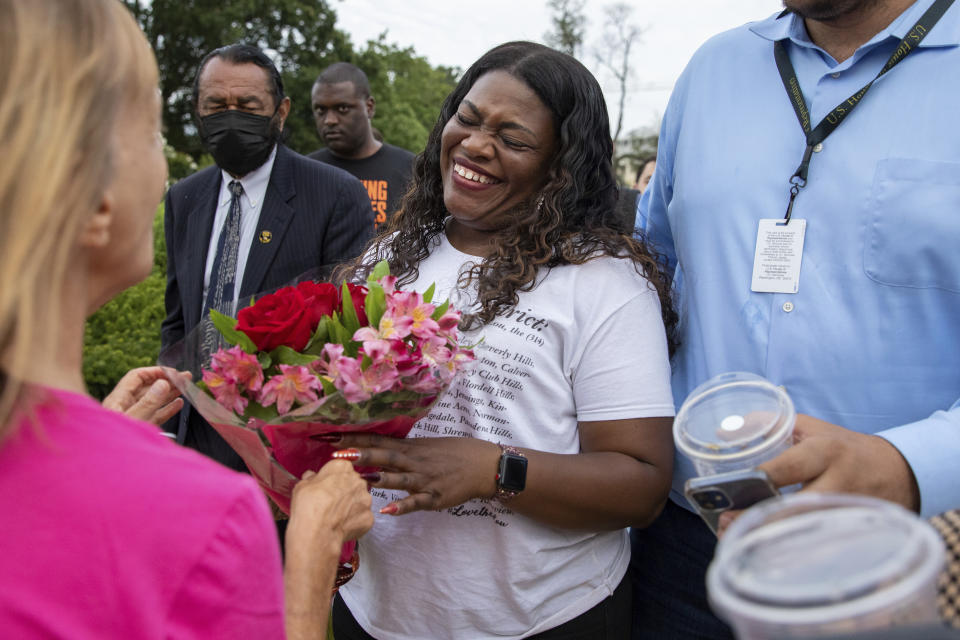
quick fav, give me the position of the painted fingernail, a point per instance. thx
(328, 437)
(389, 510)
(347, 454)
(371, 476)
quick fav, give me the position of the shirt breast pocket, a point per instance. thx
(912, 225)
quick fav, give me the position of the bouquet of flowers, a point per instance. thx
(313, 358)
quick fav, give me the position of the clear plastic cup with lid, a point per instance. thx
(813, 564)
(734, 421)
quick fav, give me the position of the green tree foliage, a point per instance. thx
(568, 26)
(180, 165)
(125, 332)
(300, 35)
(302, 39)
(632, 152)
(641, 143)
(408, 92)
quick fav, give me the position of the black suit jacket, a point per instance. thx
(316, 215)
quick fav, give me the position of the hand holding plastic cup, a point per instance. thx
(810, 565)
(734, 421)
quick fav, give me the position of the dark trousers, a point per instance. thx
(668, 568)
(609, 620)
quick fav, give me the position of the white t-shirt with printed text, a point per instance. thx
(586, 344)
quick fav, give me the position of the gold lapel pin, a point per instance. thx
(265, 237)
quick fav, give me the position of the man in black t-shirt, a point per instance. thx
(343, 108)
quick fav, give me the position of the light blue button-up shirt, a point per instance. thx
(871, 341)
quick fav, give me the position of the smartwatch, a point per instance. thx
(511, 473)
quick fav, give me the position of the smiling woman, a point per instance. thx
(514, 494)
(494, 154)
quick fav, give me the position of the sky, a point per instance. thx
(454, 34)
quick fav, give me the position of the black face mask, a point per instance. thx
(239, 142)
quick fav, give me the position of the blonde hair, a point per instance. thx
(66, 69)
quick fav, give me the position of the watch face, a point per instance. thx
(513, 472)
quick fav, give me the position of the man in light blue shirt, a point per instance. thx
(867, 341)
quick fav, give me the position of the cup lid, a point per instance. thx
(843, 554)
(733, 415)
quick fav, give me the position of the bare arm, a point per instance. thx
(146, 394)
(622, 477)
(328, 509)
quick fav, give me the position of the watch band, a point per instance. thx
(503, 494)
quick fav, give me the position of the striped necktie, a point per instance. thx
(220, 292)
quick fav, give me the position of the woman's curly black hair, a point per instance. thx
(576, 221)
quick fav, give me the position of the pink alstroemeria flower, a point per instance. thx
(239, 367)
(448, 324)
(435, 351)
(327, 364)
(391, 328)
(225, 391)
(359, 385)
(410, 304)
(426, 382)
(388, 283)
(294, 383)
(397, 355)
(458, 358)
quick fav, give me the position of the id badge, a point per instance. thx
(776, 263)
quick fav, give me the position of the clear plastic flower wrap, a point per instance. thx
(312, 359)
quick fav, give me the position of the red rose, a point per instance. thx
(358, 293)
(322, 298)
(281, 318)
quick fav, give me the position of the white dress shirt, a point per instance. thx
(251, 202)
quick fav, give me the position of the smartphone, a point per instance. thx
(712, 495)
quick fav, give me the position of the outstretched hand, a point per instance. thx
(327, 509)
(829, 458)
(826, 457)
(437, 472)
(330, 505)
(146, 394)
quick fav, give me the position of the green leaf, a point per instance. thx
(428, 294)
(381, 269)
(375, 305)
(340, 335)
(439, 311)
(225, 325)
(257, 410)
(350, 319)
(360, 413)
(320, 337)
(285, 355)
(265, 360)
(338, 332)
(328, 388)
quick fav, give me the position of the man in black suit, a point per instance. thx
(259, 219)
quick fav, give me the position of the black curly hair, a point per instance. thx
(576, 220)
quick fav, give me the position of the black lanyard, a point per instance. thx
(833, 119)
